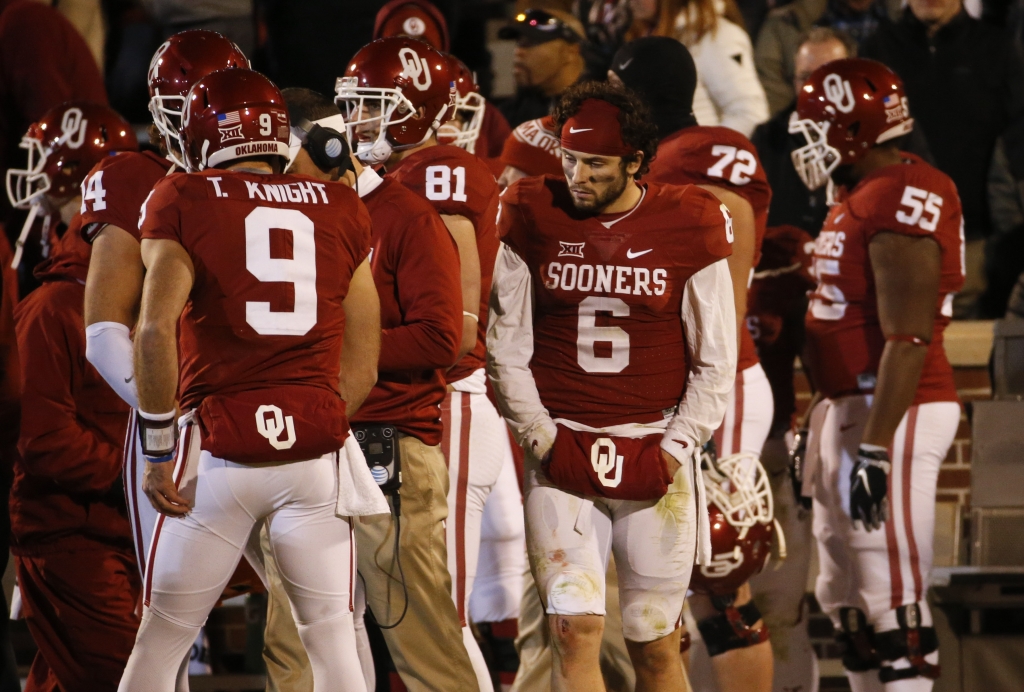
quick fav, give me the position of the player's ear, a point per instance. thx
(633, 165)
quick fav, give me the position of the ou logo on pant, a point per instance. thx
(605, 461)
(415, 68)
(838, 91)
(271, 426)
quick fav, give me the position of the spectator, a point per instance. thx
(72, 541)
(547, 61)
(792, 204)
(965, 84)
(420, 19)
(44, 61)
(785, 29)
(728, 92)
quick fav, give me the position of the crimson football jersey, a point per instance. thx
(722, 157)
(844, 339)
(609, 346)
(261, 336)
(458, 183)
(115, 189)
(415, 266)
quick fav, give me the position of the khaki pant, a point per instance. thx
(427, 646)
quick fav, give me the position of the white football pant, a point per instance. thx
(192, 559)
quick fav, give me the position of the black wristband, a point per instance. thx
(159, 437)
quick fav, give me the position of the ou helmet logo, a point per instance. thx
(723, 564)
(838, 91)
(415, 68)
(273, 425)
(72, 127)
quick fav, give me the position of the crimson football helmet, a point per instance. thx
(233, 114)
(843, 109)
(63, 147)
(464, 128)
(742, 524)
(395, 93)
(181, 61)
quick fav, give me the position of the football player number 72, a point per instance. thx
(299, 270)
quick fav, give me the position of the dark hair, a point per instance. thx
(638, 129)
(824, 34)
(308, 104)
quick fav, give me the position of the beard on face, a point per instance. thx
(602, 198)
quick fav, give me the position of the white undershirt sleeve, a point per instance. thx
(108, 347)
(510, 350)
(709, 327)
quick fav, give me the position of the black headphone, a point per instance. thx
(327, 147)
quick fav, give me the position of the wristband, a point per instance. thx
(916, 341)
(159, 436)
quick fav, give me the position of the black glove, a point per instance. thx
(869, 488)
(797, 456)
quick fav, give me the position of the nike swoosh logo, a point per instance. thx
(633, 255)
(573, 130)
(624, 65)
(127, 380)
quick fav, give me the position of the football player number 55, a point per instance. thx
(300, 270)
(588, 333)
(924, 206)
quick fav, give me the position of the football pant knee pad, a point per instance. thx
(732, 627)
(911, 642)
(856, 638)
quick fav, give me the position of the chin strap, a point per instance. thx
(19, 244)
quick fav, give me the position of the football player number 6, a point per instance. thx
(299, 271)
(588, 333)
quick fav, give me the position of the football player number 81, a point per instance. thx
(299, 270)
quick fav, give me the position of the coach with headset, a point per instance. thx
(416, 267)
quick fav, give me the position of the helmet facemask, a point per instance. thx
(167, 113)
(26, 186)
(738, 486)
(369, 113)
(815, 161)
(464, 129)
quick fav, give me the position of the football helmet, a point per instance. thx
(742, 523)
(394, 94)
(181, 61)
(233, 114)
(63, 147)
(845, 108)
(464, 128)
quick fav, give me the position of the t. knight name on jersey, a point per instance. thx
(609, 346)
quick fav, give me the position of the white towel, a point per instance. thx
(358, 494)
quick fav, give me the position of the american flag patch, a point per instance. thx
(228, 119)
(889, 101)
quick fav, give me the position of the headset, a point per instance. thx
(325, 143)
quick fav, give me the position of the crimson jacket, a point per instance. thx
(67, 489)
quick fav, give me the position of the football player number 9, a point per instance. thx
(299, 271)
(588, 333)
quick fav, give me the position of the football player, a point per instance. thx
(264, 369)
(725, 163)
(112, 195)
(531, 149)
(462, 190)
(888, 261)
(71, 539)
(612, 349)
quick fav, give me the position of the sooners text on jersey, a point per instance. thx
(722, 157)
(261, 336)
(115, 189)
(458, 183)
(844, 339)
(609, 346)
